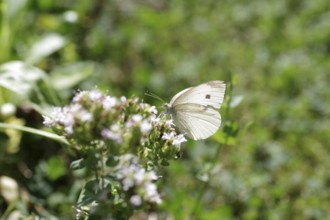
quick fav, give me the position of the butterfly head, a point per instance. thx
(167, 108)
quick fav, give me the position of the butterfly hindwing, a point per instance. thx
(197, 121)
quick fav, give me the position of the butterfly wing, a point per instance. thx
(194, 110)
(196, 121)
(206, 94)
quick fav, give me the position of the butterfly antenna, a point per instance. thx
(153, 95)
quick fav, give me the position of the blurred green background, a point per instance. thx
(276, 53)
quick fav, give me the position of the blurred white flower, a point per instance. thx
(152, 175)
(123, 99)
(95, 95)
(139, 176)
(109, 102)
(70, 16)
(145, 127)
(68, 130)
(66, 116)
(136, 200)
(155, 120)
(151, 193)
(179, 140)
(137, 118)
(135, 176)
(128, 183)
(169, 123)
(48, 121)
(110, 135)
(176, 140)
(168, 136)
(153, 110)
(78, 96)
(85, 116)
(56, 116)
(74, 108)
(7, 109)
(115, 128)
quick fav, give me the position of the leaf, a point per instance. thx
(70, 75)
(14, 7)
(45, 46)
(235, 101)
(27, 83)
(20, 77)
(230, 132)
(55, 168)
(78, 164)
(88, 193)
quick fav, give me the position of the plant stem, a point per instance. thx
(49, 135)
(214, 160)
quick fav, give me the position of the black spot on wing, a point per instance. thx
(208, 96)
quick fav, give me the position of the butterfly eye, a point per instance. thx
(208, 96)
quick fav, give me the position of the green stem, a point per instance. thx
(46, 134)
(5, 41)
(102, 169)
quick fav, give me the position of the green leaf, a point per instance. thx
(45, 46)
(78, 164)
(68, 76)
(55, 168)
(20, 78)
(88, 193)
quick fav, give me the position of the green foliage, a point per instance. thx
(270, 160)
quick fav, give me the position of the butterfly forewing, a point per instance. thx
(207, 94)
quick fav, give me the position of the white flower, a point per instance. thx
(156, 199)
(168, 136)
(134, 176)
(106, 133)
(179, 140)
(85, 116)
(8, 109)
(68, 130)
(151, 175)
(151, 193)
(145, 127)
(136, 200)
(110, 135)
(137, 118)
(129, 124)
(153, 110)
(78, 96)
(115, 128)
(65, 116)
(75, 108)
(155, 120)
(48, 121)
(109, 102)
(123, 99)
(139, 176)
(69, 120)
(169, 123)
(128, 183)
(57, 114)
(175, 139)
(95, 95)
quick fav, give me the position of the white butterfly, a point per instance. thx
(195, 109)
